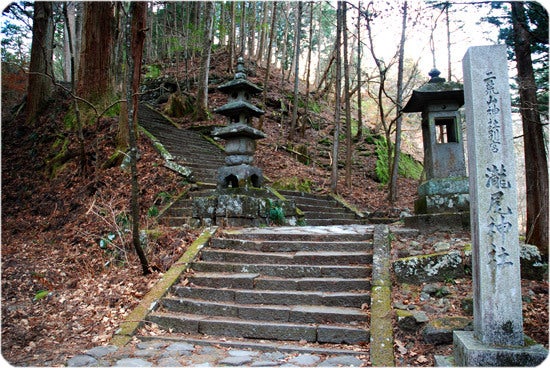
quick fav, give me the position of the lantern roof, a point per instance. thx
(435, 91)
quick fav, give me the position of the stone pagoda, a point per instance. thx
(239, 135)
(240, 198)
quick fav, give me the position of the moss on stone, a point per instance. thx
(149, 302)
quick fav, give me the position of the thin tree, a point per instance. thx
(40, 68)
(296, 71)
(201, 112)
(135, 41)
(347, 96)
(268, 61)
(359, 134)
(336, 136)
(536, 164)
(308, 68)
(399, 117)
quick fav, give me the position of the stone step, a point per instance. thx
(240, 343)
(323, 214)
(280, 258)
(254, 281)
(332, 221)
(305, 195)
(265, 312)
(285, 270)
(234, 327)
(291, 246)
(281, 297)
(317, 233)
(174, 221)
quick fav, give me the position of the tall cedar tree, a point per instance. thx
(94, 72)
(536, 164)
(40, 68)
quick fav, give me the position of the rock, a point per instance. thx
(82, 361)
(342, 360)
(180, 348)
(440, 330)
(100, 351)
(236, 361)
(402, 306)
(305, 360)
(133, 362)
(436, 290)
(411, 321)
(441, 247)
(242, 353)
(429, 268)
(169, 362)
(532, 267)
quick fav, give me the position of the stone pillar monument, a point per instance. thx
(497, 339)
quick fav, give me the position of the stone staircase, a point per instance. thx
(286, 283)
(191, 150)
(188, 148)
(321, 210)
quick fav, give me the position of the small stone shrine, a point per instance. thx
(446, 186)
(240, 199)
(498, 338)
(240, 137)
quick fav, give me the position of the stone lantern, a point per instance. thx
(446, 187)
(240, 137)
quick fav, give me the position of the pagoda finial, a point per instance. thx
(240, 69)
(434, 75)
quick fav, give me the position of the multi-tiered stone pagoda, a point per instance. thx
(239, 135)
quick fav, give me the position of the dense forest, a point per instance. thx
(78, 172)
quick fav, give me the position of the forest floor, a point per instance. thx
(69, 275)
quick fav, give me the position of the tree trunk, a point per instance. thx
(263, 32)
(397, 147)
(359, 99)
(138, 13)
(536, 164)
(296, 72)
(336, 136)
(308, 70)
(232, 35)
(94, 73)
(242, 30)
(40, 68)
(202, 94)
(268, 62)
(251, 30)
(347, 96)
(284, 64)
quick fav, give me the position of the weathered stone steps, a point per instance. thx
(290, 246)
(265, 296)
(266, 312)
(277, 284)
(299, 257)
(260, 282)
(236, 327)
(285, 270)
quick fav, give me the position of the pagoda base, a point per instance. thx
(240, 176)
(242, 207)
